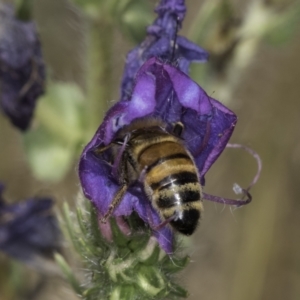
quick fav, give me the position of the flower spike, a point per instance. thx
(159, 43)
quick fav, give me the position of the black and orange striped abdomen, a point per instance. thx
(172, 182)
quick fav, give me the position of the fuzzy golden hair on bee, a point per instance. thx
(148, 152)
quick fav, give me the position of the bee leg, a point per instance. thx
(120, 193)
(116, 201)
(178, 129)
(165, 222)
(118, 159)
(161, 224)
(100, 150)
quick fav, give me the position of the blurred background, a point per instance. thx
(250, 253)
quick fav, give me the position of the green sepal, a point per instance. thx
(120, 239)
(97, 291)
(175, 264)
(67, 271)
(123, 292)
(138, 242)
(129, 267)
(93, 227)
(67, 226)
(153, 258)
(178, 291)
(150, 280)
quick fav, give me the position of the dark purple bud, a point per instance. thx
(22, 70)
(161, 91)
(28, 229)
(159, 42)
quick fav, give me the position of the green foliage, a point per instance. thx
(128, 267)
(215, 29)
(53, 143)
(131, 16)
(24, 10)
(67, 271)
(134, 19)
(284, 26)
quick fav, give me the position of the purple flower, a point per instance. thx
(153, 86)
(28, 229)
(162, 91)
(22, 70)
(161, 36)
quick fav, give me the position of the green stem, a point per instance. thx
(24, 10)
(99, 72)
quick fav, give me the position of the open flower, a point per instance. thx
(28, 229)
(22, 70)
(163, 91)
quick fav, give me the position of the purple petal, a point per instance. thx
(175, 7)
(191, 51)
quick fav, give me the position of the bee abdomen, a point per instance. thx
(172, 183)
(183, 202)
(188, 221)
(169, 197)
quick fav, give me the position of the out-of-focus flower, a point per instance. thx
(165, 92)
(22, 70)
(28, 229)
(159, 42)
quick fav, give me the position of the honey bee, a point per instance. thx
(146, 151)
